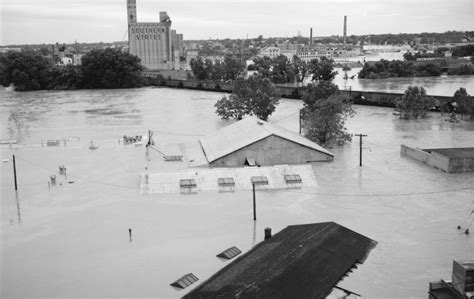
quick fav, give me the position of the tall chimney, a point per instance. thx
(345, 30)
(311, 36)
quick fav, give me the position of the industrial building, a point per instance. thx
(446, 159)
(301, 261)
(461, 285)
(158, 47)
(254, 142)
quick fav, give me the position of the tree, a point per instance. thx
(300, 68)
(414, 103)
(282, 70)
(465, 102)
(218, 71)
(325, 123)
(317, 92)
(233, 67)
(65, 77)
(198, 68)
(263, 65)
(322, 69)
(111, 68)
(26, 70)
(252, 96)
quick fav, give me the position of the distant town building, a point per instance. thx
(271, 52)
(153, 43)
(5, 50)
(191, 54)
(65, 60)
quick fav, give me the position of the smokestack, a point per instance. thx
(345, 30)
(311, 36)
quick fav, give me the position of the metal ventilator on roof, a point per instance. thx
(188, 186)
(185, 281)
(229, 253)
(226, 184)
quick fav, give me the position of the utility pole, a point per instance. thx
(14, 172)
(360, 147)
(254, 204)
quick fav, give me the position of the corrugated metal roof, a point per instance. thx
(245, 132)
(301, 261)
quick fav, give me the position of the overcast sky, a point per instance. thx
(50, 21)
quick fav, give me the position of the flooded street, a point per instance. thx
(71, 240)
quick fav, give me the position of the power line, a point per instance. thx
(381, 195)
(291, 191)
(275, 121)
(80, 178)
(178, 134)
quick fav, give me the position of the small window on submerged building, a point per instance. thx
(188, 186)
(226, 184)
(293, 180)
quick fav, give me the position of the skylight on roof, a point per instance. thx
(229, 253)
(185, 281)
(259, 180)
(293, 179)
(188, 186)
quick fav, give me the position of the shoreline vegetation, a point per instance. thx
(112, 68)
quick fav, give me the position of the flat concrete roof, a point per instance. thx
(461, 152)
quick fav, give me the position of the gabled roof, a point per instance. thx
(245, 132)
(301, 261)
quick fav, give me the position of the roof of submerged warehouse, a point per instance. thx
(301, 261)
(248, 131)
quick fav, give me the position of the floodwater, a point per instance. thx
(443, 85)
(71, 239)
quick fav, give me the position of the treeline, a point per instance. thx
(398, 68)
(278, 70)
(415, 103)
(206, 69)
(283, 70)
(109, 68)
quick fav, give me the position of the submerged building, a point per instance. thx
(254, 142)
(154, 43)
(301, 261)
(450, 160)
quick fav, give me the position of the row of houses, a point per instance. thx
(309, 53)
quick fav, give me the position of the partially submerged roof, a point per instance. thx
(460, 152)
(248, 131)
(212, 179)
(301, 261)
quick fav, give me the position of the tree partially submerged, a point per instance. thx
(326, 123)
(322, 70)
(325, 112)
(465, 102)
(252, 96)
(414, 103)
(111, 68)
